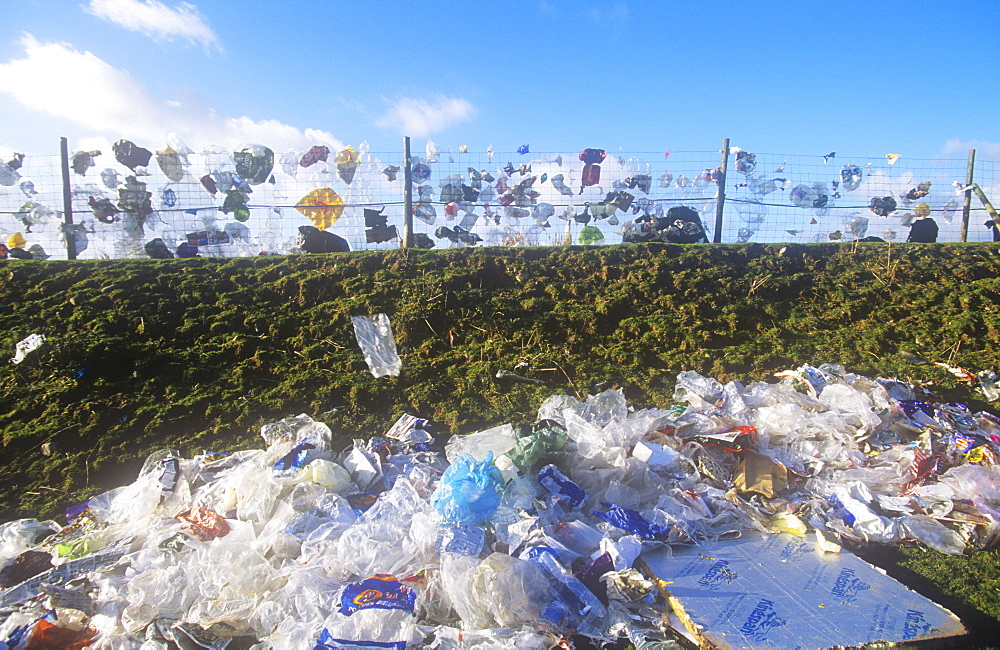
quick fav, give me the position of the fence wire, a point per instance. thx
(229, 203)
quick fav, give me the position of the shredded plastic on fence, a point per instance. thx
(251, 201)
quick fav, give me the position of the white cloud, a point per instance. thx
(182, 23)
(982, 147)
(420, 117)
(110, 101)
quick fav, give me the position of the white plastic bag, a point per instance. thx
(29, 344)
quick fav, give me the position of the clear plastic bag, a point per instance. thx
(395, 533)
(933, 533)
(19, 535)
(498, 441)
(374, 335)
(298, 429)
(512, 591)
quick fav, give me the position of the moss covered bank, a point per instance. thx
(197, 354)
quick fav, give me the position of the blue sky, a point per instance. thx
(921, 79)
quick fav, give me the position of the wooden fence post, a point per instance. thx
(67, 200)
(407, 195)
(967, 205)
(720, 197)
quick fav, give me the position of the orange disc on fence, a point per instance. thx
(322, 206)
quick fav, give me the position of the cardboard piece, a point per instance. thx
(759, 473)
(783, 591)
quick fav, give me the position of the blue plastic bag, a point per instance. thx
(469, 491)
(633, 522)
(565, 490)
(296, 458)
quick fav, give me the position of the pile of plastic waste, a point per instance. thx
(519, 536)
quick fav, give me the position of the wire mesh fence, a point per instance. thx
(31, 202)
(817, 198)
(254, 201)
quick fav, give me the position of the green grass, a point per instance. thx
(197, 354)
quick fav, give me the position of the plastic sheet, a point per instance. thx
(778, 591)
(374, 335)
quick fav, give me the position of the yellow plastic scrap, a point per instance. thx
(827, 541)
(171, 163)
(674, 604)
(922, 210)
(347, 156)
(347, 160)
(322, 206)
(78, 548)
(327, 474)
(787, 523)
(16, 241)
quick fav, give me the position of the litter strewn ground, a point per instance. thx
(523, 535)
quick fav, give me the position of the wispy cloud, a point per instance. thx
(420, 117)
(955, 146)
(546, 7)
(122, 107)
(613, 19)
(183, 23)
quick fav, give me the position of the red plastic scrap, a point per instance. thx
(736, 440)
(203, 524)
(314, 155)
(45, 635)
(925, 466)
(593, 156)
(591, 174)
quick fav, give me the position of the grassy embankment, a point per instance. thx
(198, 354)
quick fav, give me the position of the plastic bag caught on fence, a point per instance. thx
(172, 163)
(131, 155)
(8, 172)
(851, 177)
(374, 335)
(254, 163)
